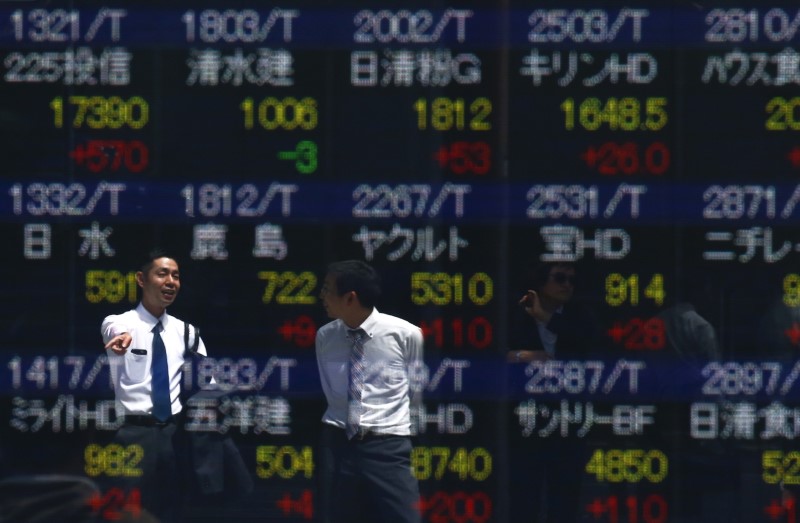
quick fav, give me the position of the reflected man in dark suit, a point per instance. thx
(546, 469)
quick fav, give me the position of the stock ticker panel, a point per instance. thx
(654, 144)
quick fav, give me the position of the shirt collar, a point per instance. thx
(368, 325)
(151, 320)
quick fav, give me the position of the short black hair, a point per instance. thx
(539, 272)
(154, 254)
(358, 276)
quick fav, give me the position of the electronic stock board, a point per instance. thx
(653, 144)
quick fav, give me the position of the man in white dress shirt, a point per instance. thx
(147, 435)
(366, 433)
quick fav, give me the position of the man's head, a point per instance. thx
(554, 282)
(160, 281)
(350, 290)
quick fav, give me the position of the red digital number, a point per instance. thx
(612, 158)
(300, 331)
(465, 157)
(303, 505)
(652, 509)
(460, 507)
(100, 155)
(639, 334)
(113, 504)
(476, 333)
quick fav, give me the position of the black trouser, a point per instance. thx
(151, 449)
(371, 477)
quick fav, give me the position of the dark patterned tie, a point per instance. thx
(356, 382)
(162, 405)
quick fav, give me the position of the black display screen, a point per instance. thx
(654, 145)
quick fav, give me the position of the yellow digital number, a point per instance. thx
(624, 114)
(629, 465)
(439, 288)
(621, 289)
(110, 286)
(113, 460)
(97, 112)
(447, 114)
(288, 288)
(435, 462)
(288, 113)
(778, 466)
(285, 461)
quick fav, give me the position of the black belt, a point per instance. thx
(367, 435)
(364, 434)
(146, 420)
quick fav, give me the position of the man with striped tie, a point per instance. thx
(366, 363)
